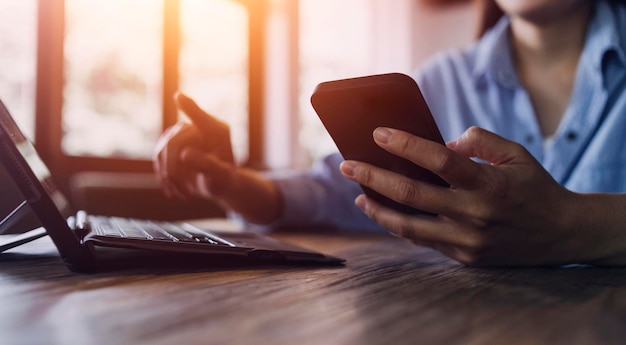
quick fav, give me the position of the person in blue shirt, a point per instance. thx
(535, 118)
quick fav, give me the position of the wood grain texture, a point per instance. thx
(389, 292)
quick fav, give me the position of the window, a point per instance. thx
(328, 52)
(376, 37)
(18, 44)
(113, 78)
(107, 70)
(214, 62)
(114, 71)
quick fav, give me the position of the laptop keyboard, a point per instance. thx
(153, 230)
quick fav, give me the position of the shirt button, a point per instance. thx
(530, 139)
(571, 136)
(506, 79)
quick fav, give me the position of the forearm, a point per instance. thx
(256, 198)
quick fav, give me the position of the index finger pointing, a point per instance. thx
(200, 118)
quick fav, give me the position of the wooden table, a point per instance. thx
(389, 292)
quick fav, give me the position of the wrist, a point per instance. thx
(596, 223)
(254, 197)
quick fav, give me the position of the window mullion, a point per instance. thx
(49, 89)
(256, 73)
(171, 52)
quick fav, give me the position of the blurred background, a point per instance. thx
(90, 81)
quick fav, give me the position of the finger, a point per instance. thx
(167, 184)
(171, 189)
(420, 195)
(158, 164)
(418, 228)
(218, 175)
(158, 160)
(454, 168)
(170, 167)
(205, 122)
(487, 146)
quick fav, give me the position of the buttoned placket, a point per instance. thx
(580, 121)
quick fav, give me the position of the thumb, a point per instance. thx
(218, 174)
(479, 143)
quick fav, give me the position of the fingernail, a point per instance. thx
(181, 98)
(348, 168)
(382, 135)
(361, 202)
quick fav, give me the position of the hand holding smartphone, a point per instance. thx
(351, 109)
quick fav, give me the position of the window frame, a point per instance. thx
(50, 79)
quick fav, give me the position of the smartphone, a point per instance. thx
(351, 109)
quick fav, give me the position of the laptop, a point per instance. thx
(89, 243)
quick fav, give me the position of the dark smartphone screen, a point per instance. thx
(351, 109)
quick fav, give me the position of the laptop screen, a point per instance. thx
(37, 166)
(33, 179)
